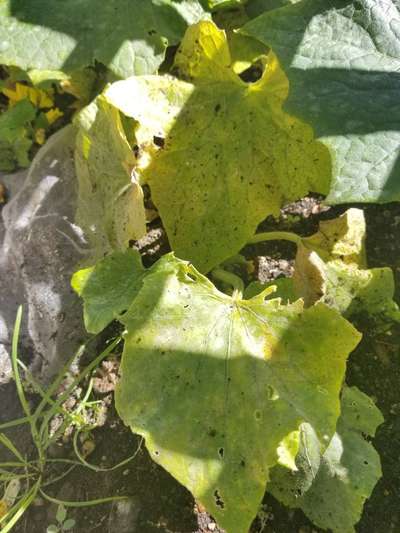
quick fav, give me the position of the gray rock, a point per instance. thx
(124, 517)
(40, 247)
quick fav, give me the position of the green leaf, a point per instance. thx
(52, 528)
(61, 514)
(216, 385)
(284, 290)
(129, 36)
(110, 200)
(109, 287)
(14, 141)
(16, 154)
(69, 524)
(80, 83)
(331, 267)
(15, 118)
(332, 486)
(343, 61)
(229, 155)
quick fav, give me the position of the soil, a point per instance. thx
(157, 502)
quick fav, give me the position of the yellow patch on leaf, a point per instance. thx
(53, 115)
(39, 98)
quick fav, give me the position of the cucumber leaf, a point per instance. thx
(14, 138)
(283, 288)
(331, 267)
(109, 287)
(331, 486)
(219, 154)
(129, 36)
(341, 238)
(342, 59)
(219, 386)
(110, 201)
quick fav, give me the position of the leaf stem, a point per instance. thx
(231, 279)
(276, 236)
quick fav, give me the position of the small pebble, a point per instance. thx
(38, 502)
(212, 526)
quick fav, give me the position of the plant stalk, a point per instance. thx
(231, 279)
(275, 236)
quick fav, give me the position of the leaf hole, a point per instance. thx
(218, 500)
(159, 141)
(221, 452)
(253, 73)
(136, 151)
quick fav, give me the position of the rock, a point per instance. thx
(40, 247)
(124, 516)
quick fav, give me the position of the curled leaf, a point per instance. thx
(110, 201)
(331, 267)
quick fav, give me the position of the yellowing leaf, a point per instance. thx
(53, 115)
(219, 154)
(244, 51)
(342, 238)
(3, 508)
(39, 98)
(40, 136)
(343, 61)
(110, 200)
(219, 386)
(287, 450)
(331, 267)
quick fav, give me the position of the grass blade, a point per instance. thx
(10, 446)
(87, 503)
